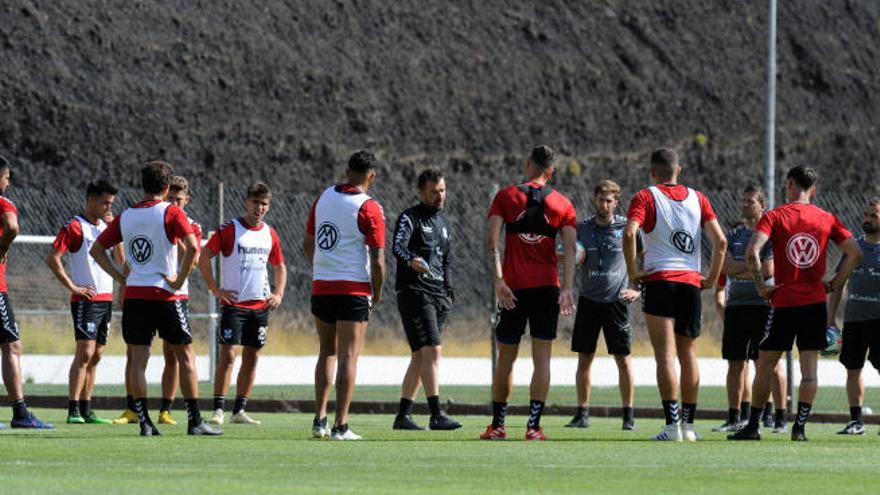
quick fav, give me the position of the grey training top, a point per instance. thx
(742, 291)
(863, 299)
(603, 275)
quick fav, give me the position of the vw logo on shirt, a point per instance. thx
(327, 236)
(802, 250)
(682, 241)
(141, 249)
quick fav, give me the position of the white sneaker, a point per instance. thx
(346, 435)
(320, 428)
(217, 417)
(669, 433)
(242, 417)
(783, 428)
(689, 433)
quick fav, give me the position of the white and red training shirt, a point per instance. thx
(643, 209)
(245, 251)
(6, 206)
(150, 231)
(344, 222)
(76, 238)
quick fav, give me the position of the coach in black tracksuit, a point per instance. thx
(424, 296)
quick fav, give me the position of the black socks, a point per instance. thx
(536, 408)
(240, 404)
(166, 405)
(192, 411)
(499, 413)
(405, 407)
(671, 412)
(434, 405)
(219, 402)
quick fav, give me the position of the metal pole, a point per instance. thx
(212, 302)
(496, 314)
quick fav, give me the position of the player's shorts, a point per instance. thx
(612, 318)
(423, 316)
(744, 328)
(9, 332)
(339, 307)
(860, 338)
(91, 320)
(243, 326)
(804, 323)
(675, 300)
(539, 307)
(143, 318)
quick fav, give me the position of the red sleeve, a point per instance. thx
(69, 238)
(499, 204)
(569, 219)
(839, 232)
(276, 257)
(177, 225)
(112, 235)
(722, 280)
(765, 224)
(7, 206)
(222, 240)
(310, 224)
(371, 222)
(641, 210)
(197, 230)
(707, 213)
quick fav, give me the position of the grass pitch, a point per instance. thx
(281, 457)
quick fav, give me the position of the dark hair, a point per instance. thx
(430, 175)
(663, 162)
(156, 176)
(100, 187)
(758, 191)
(805, 177)
(361, 162)
(543, 156)
(4, 163)
(258, 190)
(179, 183)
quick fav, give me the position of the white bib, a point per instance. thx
(84, 271)
(340, 251)
(674, 244)
(244, 270)
(147, 249)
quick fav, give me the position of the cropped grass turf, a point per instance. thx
(280, 457)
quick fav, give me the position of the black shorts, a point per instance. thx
(744, 328)
(804, 323)
(539, 307)
(612, 318)
(423, 316)
(335, 307)
(91, 320)
(242, 326)
(9, 332)
(142, 318)
(675, 300)
(860, 338)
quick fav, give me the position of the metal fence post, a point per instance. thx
(212, 301)
(496, 315)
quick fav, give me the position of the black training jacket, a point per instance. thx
(423, 232)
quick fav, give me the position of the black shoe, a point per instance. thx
(798, 435)
(443, 422)
(406, 422)
(853, 428)
(768, 421)
(745, 434)
(629, 424)
(579, 421)
(148, 429)
(203, 428)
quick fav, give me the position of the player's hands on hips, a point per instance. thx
(506, 299)
(629, 295)
(768, 290)
(86, 292)
(566, 302)
(175, 281)
(706, 284)
(637, 276)
(419, 264)
(273, 301)
(228, 296)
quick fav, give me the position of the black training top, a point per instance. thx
(423, 232)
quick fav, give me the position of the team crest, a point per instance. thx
(529, 238)
(802, 250)
(141, 249)
(226, 334)
(682, 241)
(327, 236)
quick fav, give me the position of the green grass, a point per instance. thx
(829, 399)
(280, 457)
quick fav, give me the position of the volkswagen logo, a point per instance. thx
(682, 241)
(327, 236)
(141, 249)
(802, 250)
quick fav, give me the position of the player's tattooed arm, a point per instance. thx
(377, 272)
(566, 298)
(852, 256)
(753, 260)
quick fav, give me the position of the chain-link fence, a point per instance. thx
(42, 303)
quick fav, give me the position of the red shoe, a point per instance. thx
(535, 434)
(494, 433)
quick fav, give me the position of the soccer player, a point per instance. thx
(91, 295)
(799, 233)
(345, 243)
(10, 338)
(150, 231)
(861, 318)
(604, 301)
(246, 244)
(745, 314)
(673, 218)
(527, 286)
(424, 296)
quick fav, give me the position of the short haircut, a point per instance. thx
(543, 156)
(758, 191)
(875, 201)
(607, 186)
(663, 162)
(258, 190)
(99, 188)
(805, 177)
(156, 176)
(4, 163)
(430, 175)
(179, 184)
(362, 162)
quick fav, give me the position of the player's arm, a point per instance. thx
(53, 261)
(280, 273)
(188, 262)
(720, 300)
(400, 247)
(225, 296)
(834, 298)
(719, 249)
(447, 272)
(9, 220)
(735, 268)
(630, 252)
(852, 256)
(377, 272)
(309, 248)
(569, 241)
(98, 252)
(506, 299)
(753, 259)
